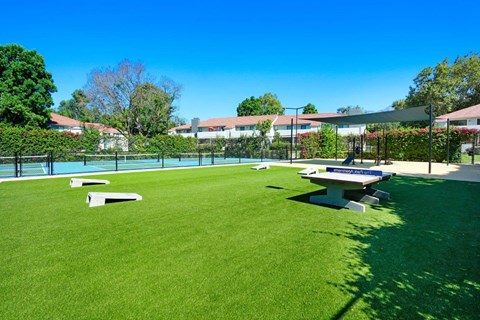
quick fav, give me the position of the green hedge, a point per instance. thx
(317, 144)
(15, 139)
(413, 144)
(171, 143)
(403, 144)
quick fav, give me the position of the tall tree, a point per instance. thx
(76, 108)
(129, 101)
(25, 87)
(263, 128)
(351, 110)
(151, 110)
(249, 107)
(448, 87)
(271, 104)
(263, 105)
(310, 109)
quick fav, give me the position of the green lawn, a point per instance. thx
(234, 243)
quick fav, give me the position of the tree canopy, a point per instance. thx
(128, 99)
(310, 109)
(448, 87)
(76, 108)
(263, 105)
(25, 88)
(351, 110)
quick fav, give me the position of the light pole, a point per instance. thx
(296, 126)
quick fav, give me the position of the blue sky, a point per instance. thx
(332, 54)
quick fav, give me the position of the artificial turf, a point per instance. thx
(234, 243)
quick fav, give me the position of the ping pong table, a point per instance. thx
(347, 187)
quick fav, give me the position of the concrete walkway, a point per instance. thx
(461, 172)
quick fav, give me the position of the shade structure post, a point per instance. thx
(291, 141)
(473, 148)
(336, 142)
(386, 147)
(430, 119)
(353, 149)
(448, 141)
(378, 149)
(362, 141)
(296, 132)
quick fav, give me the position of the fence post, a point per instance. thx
(473, 148)
(52, 160)
(20, 167)
(116, 161)
(213, 157)
(16, 164)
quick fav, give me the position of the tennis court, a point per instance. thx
(66, 163)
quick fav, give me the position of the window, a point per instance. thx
(241, 128)
(478, 122)
(305, 126)
(252, 127)
(458, 122)
(289, 127)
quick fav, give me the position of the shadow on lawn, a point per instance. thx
(428, 264)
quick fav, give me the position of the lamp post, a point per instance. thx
(296, 126)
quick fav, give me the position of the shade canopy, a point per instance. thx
(405, 115)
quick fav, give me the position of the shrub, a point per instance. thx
(317, 144)
(413, 144)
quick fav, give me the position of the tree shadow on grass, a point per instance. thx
(427, 264)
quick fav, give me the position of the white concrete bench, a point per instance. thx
(308, 171)
(100, 198)
(78, 182)
(261, 166)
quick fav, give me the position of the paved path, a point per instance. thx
(461, 172)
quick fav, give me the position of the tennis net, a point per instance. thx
(108, 159)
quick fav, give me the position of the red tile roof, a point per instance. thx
(60, 120)
(467, 113)
(232, 122)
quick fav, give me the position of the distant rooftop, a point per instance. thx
(232, 122)
(59, 120)
(472, 112)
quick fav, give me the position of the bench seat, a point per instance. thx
(80, 182)
(96, 199)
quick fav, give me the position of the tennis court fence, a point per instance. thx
(52, 163)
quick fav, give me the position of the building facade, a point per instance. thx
(111, 137)
(235, 127)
